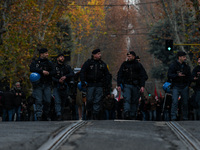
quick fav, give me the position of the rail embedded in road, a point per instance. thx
(187, 138)
(55, 141)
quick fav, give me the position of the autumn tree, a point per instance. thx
(87, 19)
(28, 24)
(161, 20)
(58, 25)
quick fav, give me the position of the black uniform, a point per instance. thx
(95, 73)
(62, 70)
(43, 64)
(42, 90)
(132, 76)
(176, 67)
(132, 72)
(60, 90)
(180, 86)
(98, 78)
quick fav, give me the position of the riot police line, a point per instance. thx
(95, 97)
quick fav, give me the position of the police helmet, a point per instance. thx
(166, 87)
(79, 85)
(34, 77)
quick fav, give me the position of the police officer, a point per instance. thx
(196, 79)
(61, 79)
(132, 77)
(95, 73)
(42, 90)
(180, 75)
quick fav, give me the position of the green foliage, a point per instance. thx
(160, 72)
(163, 30)
(157, 36)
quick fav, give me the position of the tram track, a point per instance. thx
(54, 142)
(186, 137)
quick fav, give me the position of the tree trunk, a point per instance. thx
(174, 26)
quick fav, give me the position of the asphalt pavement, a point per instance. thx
(28, 135)
(96, 135)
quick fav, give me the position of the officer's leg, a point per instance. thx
(98, 94)
(197, 109)
(184, 98)
(154, 115)
(89, 101)
(174, 109)
(135, 100)
(47, 101)
(57, 101)
(127, 101)
(37, 94)
(64, 99)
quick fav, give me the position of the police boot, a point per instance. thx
(46, 117)
(39, 118)
(127, 115)
(89, 115)
(96, 116)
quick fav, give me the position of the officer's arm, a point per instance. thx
(172, 73)
(54, 75)
(189, 75)
(194, 74)
(71, 73)
(52, 70)
(33, 68)
(55, 79)
(120, 75)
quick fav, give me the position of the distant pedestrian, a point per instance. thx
(109, 107)
(19, 98)
(95, 73)
(180, 75)
(80, 103)
(196, 79)
(61, 79)
(42, 89)
(8, 105)
(143, 107)
(119, 102)
(167, 103)
(132, 76)
(151, 102)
